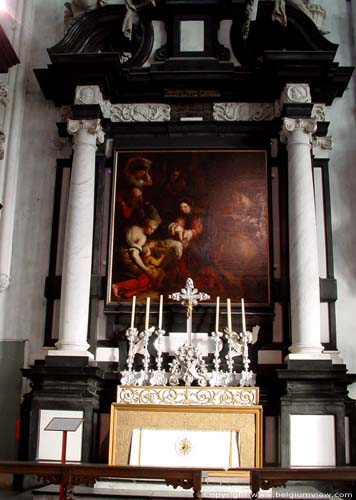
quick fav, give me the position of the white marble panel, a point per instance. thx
(192, 36)
(312, 440)
(324, 322)
(50, 442)
(107, 354)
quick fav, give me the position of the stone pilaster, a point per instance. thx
(303, 250)
(77, 257)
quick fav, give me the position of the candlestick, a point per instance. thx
(147, 313)
(217, 314)
(243, 315)
(229, 323)
(133, 311)
(160, 314)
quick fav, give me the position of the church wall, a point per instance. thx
(22, 305)
(342, 180)
(30, 151)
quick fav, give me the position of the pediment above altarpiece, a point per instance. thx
(97, 51)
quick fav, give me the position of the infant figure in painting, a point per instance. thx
(156, 273)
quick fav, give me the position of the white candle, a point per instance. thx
(243, 315)
(217, 314)
(229, 324)
(160, 312)
(147, 318)
(133, 311)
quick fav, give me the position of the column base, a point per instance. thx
(306, 355)
(70, 353)
(335, 357)
(304, 351)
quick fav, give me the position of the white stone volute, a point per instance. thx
(323, 142)
(91, 126)
(304, 125)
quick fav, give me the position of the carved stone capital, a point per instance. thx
(290, 125)
(323, 142)
(244, 111)
(3, 93)
(4, 282)
(2, 143)
(296, 93)
(91, 126)
(321, 146)
(137, 112)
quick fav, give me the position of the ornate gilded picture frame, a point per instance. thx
(189, 213)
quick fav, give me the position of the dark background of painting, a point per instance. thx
(228, 193)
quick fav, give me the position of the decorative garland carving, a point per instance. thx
(243, 111)
(3, 93)
(212, 396)
(140, 112)
(319, 112)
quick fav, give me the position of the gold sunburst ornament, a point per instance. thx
(184, 446)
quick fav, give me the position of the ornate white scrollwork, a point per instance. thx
(296, 93)
(4, 282)
(91, 126)
(3, 93)
(208, 396)
(319, 112)
(244, 111)
(140, 112)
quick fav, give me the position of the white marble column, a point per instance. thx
(77, 257)
(303, 250)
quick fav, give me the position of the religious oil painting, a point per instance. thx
(201, 214)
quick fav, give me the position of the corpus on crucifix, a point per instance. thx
(189, 297)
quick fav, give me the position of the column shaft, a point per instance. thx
(77, 257)
(303, 249)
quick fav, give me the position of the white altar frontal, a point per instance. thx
(213, 421)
